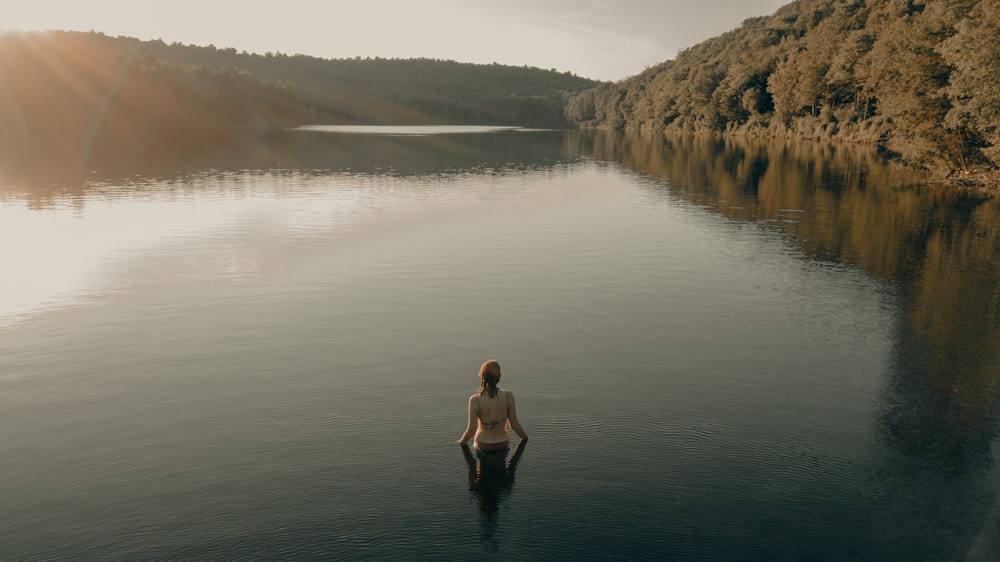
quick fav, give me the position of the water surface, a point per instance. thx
(721, 351)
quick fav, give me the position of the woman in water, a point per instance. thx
(490, 410)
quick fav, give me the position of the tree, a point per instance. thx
(974, 53)
(908, 77)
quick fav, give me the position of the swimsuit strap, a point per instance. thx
(493, 423)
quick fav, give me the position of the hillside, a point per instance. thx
(62, 93)
(377, 90)
(918, 76)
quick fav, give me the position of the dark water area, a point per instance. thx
(259, 345)
(939, 249)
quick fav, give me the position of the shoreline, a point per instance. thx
(984, 182)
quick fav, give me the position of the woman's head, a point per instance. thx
(489, 374)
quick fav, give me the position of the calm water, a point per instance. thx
(722, 351)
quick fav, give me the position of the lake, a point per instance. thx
(260, 346)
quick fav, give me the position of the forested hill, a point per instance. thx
(918, 75)
(334, 90)
(64, 91)
(377, 90)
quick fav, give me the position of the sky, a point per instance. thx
(599, 39)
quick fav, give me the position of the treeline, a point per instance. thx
(368, 90)
(918, 76)
(396, 91)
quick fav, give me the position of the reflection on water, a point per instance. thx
(128, 198)
(408, 130)
(192, 152)
(491, 480)
(940, 404)
(718, 307)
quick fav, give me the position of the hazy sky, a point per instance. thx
(603, 39)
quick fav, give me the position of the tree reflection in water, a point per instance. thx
(934, 487)
(491, 479)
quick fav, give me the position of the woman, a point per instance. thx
(491, 409)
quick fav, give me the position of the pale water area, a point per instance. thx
(721, 351)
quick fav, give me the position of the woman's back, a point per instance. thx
(493, 412)
(490, 410)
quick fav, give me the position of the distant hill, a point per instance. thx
(61, 92)
(395, 91)
(919, 76)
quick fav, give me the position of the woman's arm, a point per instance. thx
(512, 417)
(470, 429)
